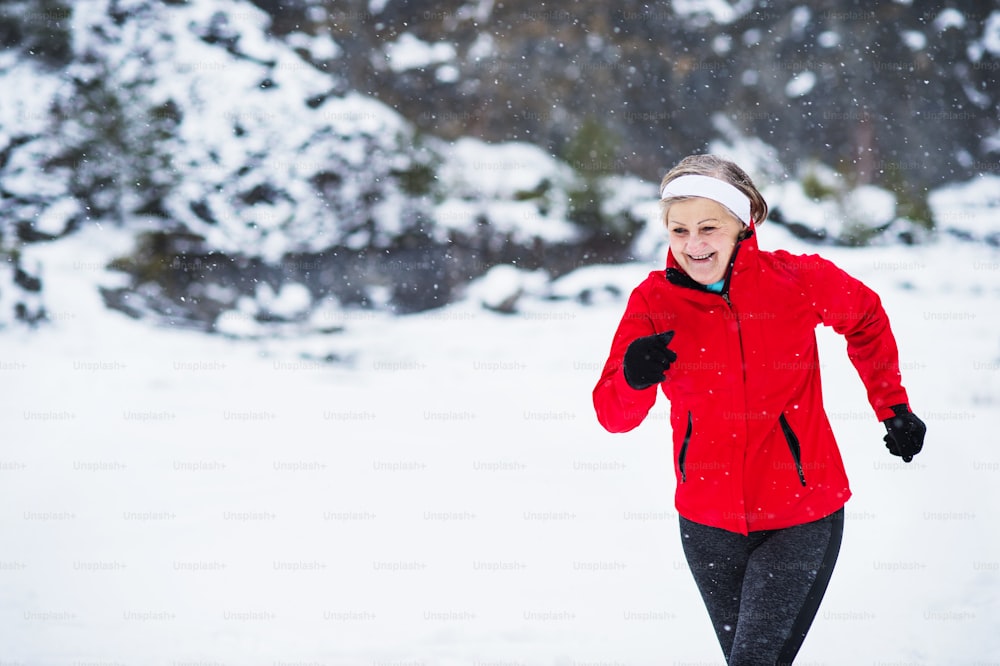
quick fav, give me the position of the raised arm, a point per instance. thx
(619, 406)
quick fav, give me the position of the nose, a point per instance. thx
(695, 242)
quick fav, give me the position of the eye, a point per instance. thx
(679, 231)
(708, 229)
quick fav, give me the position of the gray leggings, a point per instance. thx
(762, 591)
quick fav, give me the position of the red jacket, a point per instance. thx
(753, 448)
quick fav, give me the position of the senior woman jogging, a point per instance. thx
(727, 332)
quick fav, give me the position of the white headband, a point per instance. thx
(710, 188)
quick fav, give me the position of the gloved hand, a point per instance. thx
(905, 433)
(647, 359)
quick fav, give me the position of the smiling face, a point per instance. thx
(702, 235)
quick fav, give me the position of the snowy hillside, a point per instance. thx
(248, 163)
(445, 496)
(243, 169)
(288, 381)
(901, 95)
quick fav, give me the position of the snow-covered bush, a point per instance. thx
(241, 164)
(245, 163)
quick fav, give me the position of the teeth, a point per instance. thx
(704, 256)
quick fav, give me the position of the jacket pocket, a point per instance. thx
(684, 449)
(793, 446)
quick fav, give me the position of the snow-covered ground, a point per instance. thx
(445, 496)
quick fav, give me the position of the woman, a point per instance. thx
(728, 333)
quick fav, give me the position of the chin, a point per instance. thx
(703, 278)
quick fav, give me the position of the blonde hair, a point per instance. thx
(724, 170)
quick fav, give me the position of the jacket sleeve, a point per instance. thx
(620, 407)
(855, 311)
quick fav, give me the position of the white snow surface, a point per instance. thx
(716, 11)
(828, 39)
(801, 84)
(949, 18)
(500, 170)
(445, 496)
(914, 39)
(503, 184)
(409, 52)
(991, 33)
(440, 493)
(271, 160)
(969, 208)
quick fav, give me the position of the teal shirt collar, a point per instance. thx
(716, 287)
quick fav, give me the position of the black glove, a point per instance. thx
(646, 359)
(905, 433)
